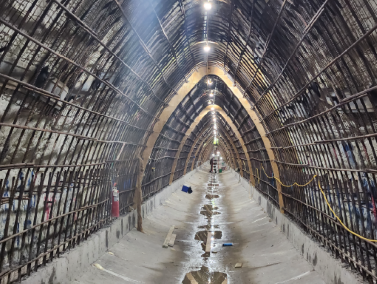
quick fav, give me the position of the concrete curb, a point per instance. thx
(332, 269)
(75, 262)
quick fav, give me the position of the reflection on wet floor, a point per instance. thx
(209, 207)
(202, 235)
(204, 276)
(208, 210)
(209, 214)
(212, 196)
(212, 188)
(207, 227)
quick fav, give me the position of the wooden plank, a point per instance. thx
(168, 237)
(191, 278)
(172, 240)
(208, 243)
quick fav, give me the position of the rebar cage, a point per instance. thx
(84, 84)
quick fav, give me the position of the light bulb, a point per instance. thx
(212, 108)
(207, 48)
(211, 94)
(207, 6)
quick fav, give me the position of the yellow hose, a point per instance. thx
(327, 202)
(291, 184)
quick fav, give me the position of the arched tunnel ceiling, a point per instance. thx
(246, 144)
(85, 84)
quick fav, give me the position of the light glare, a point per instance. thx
(207, 6)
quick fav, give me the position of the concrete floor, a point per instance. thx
(267, 256)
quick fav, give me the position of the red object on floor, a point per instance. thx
(115, 203)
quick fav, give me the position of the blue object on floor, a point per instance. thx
(227, 244)
(185, 188)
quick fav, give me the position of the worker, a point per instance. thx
(211, 162)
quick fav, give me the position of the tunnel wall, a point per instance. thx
(74, 262)
(331, 268)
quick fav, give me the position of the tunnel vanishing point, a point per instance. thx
(120, 102)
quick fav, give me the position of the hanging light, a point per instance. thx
(212, 108)
(211, 94)
(207, 6)
(207, 48)
(209, 82)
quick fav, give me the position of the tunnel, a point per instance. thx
(188, 141)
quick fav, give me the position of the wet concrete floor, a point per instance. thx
(221, 208)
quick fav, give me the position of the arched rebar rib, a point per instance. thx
(184, 90)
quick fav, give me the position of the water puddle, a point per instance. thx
(208, 210)
(204, 276)
(208, 227)
(212, 196)
(209, 207)
(202, 235)
(209, 214)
